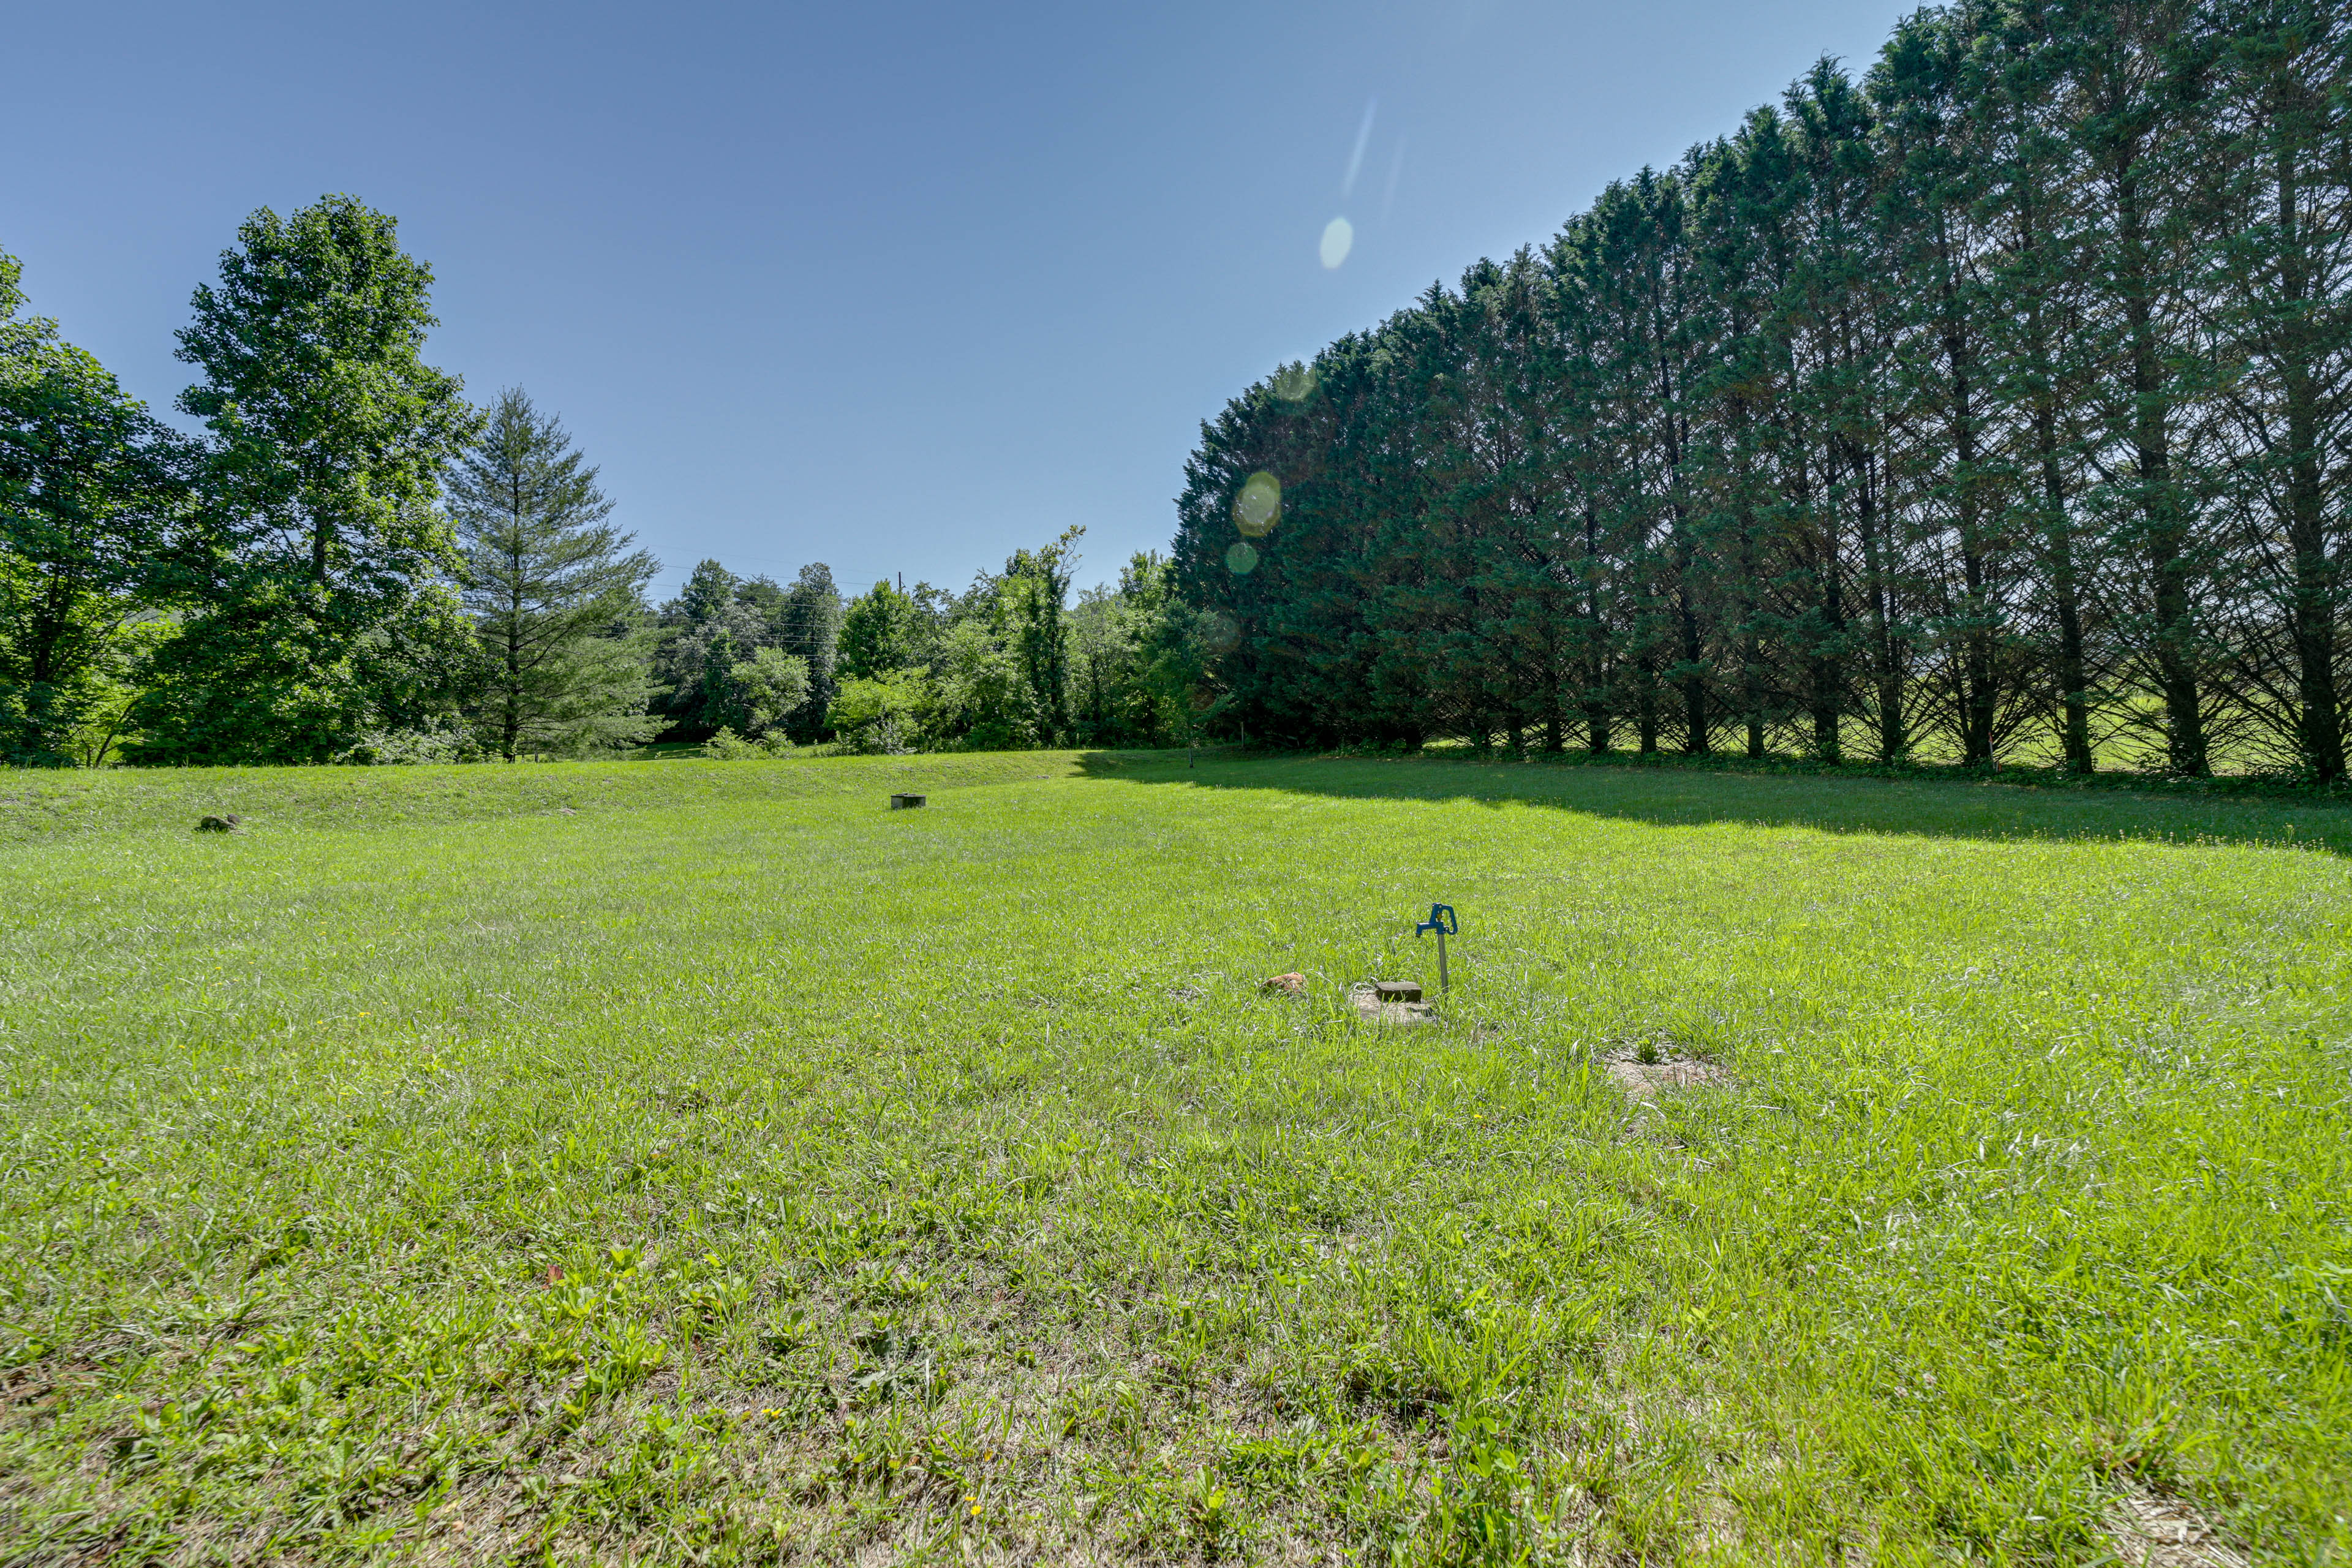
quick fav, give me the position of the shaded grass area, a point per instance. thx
(732, 1170)
(2270, 784)
(1675, 793)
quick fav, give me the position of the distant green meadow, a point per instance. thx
(700, 1163)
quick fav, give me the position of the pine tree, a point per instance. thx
(1944, 477)
(808, 626)
(1740, 193)
(716, 620)
(2041, 355)
(554, 589)
(2277, 202)
(2130, 78)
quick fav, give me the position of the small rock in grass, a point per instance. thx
(232, 822)
(1290, 985)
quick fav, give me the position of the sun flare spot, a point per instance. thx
(1259, 507)
(1338, 238)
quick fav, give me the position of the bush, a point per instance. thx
(727, 746)
(882, 715)
(887, 736)
(435, 742)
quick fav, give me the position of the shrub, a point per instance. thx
(727, 746)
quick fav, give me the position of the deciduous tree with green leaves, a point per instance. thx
(329, 610)
(93, 493)
(883, 714)
(881, 630)
(767, 688)
(1036, 589)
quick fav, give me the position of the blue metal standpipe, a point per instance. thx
(1441, 921)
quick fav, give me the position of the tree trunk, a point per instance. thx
(2058, 529)
(2065, 594)
(1694, 718)
(510, 704)
(2320, 723)
(1752, 637)
(1893, 735)
(1978, 698)
(1828, 668)
(1554, 736)
(1645, 717)
(1597, 726)
(2168, 565)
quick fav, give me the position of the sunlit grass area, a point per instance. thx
(614, 1163)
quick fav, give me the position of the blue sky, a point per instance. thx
(896, 286)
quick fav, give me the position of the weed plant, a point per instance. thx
(702, 1163)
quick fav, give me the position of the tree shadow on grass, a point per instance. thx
(1682, 796)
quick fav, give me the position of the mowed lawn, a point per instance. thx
(696, 1162)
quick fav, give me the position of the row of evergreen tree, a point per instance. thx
(352, 563)
(1992, 405)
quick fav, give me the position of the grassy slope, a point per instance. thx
(731, 1166)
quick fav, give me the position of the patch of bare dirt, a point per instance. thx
(1644, 1071)
(2167, 1532)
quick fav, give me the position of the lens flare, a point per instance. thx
(1356, 158)
(1338, 238)
(1295, 383)
(1259, 506)
(1220, 633)
(1240, 560)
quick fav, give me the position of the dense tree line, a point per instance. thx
(353, 563)
(1992, 405)
(1009, 662)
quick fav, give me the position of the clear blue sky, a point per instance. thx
(896, 286)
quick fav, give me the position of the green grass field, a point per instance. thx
(700, 1163)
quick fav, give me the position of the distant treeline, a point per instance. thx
(1008, 663)
(353, 564)
(1993, 405)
